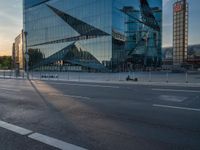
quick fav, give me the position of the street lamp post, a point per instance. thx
(26, 55)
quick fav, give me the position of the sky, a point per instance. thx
(194, 22)
(11, 23)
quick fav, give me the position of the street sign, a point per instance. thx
(178, 7)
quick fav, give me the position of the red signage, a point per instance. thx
(178, 7)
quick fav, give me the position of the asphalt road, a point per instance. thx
(48, 115)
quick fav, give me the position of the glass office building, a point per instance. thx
(92, 35)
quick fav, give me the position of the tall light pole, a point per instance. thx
(26, 55)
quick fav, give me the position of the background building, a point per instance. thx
(193, 55)
(18, 52)
(104, 35)
(180, 32)
(13, 56)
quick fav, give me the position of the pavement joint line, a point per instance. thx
(54, 142)
(40, 137)
(174, 90)
(176, 107)
(14, 128)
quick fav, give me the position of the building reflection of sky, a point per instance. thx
(118, 16)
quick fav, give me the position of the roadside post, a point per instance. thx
(26, 55)
(167, 76)
(186, 77)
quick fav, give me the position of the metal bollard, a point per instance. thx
(186, 77)
(150, 78)
(167, 76)
(119, 77)
(79, 78)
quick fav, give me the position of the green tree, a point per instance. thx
(5, 62)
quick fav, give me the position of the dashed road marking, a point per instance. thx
(14, 128)
(40, 137)
(172, 98)
(54, 142)
(174, 90)
(176, 107)
(12, 96)
(72, 96)
(9, 89)
(75, 96)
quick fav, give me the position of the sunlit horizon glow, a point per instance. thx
(11, 23)
(5, 53)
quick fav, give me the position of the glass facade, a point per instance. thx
(139, 22)
(92, 35)
(180, 32)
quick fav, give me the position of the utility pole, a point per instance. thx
(26, 55)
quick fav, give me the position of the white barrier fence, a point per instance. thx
(127, 76)
(168, 77)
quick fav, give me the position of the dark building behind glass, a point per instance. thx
(93, 35)
(18, 53)
(180, 32)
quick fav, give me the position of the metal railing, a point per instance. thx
(166, 77)
(12, 74)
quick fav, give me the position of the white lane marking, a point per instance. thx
(54, 142)
(72, 96)
(173, 98)
(11, 96)
(9, 89)
(40, 137)
(174, 90)
(14, 128)
(89, 85)
(176, 107)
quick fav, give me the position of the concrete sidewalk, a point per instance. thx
(144, 78)
(131, 82)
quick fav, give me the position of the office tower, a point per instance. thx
(180, 32)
